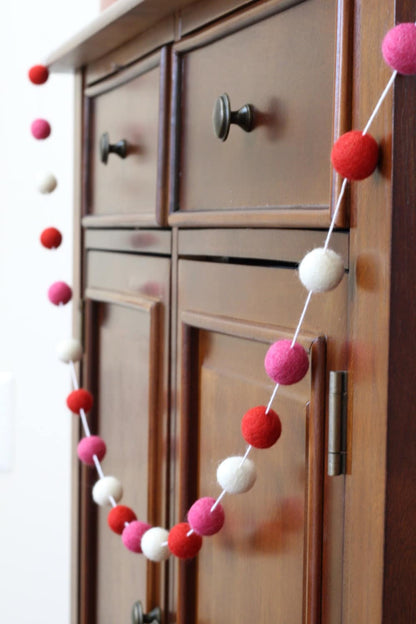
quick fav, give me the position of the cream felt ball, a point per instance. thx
(286, 364)
(321, 270)
(106, 487)
(69, 350)
(235, 477)
(399, 48)
(154, 544)
(46, 182)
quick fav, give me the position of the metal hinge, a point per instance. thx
(337, 423)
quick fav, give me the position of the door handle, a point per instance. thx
(139, 617)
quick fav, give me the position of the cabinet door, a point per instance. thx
(267, 563)
(127, 332)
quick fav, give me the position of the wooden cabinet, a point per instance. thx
(186, 258)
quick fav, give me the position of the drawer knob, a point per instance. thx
(107, 148)
(138, 617)
(223, 117)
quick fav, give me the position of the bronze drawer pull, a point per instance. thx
(223, 117)
(107, 148)
(138, 617)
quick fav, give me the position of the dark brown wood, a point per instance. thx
(225, 338)
(370, 239)
(315, 483)
(399, 589)
(264, 168)
(132, 106)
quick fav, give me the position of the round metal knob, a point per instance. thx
(138, 617)
(223, 117)
(107, 148)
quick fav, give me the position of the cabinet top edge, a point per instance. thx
(116, 25)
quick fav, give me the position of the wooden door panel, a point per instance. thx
(127, 356)
(266, 563)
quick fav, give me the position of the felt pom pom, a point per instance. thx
(51, 238)
(154, 545)
(59, 292)
(321, 270)
(38, 74)
(132, 535)
(46, 183)
(118, 516)
(259, 429)
(180, 544)
(69, 350)
(235, 477)
(40, 129)
(285, 364)
(90, 446)
(399, 48)
(204, 521)
(355, 155)
(79, 400)
(106, 487)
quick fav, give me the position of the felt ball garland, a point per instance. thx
(354, 156)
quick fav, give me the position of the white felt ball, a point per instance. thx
(69, 350)
(234, 477)
(154, 544)
(46, 183)
(321, 270)
(106, 487)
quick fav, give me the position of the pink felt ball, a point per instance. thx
(355, 155)
(40, 129)
(259, 429)
(90, 446)
(38, 74)
(132, 535)
(181, 544)
(399, 48)
(285, 364)
(59, 293)
(204, 521)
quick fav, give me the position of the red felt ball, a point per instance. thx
(355, 155)
(285, 364)
(259, 429)
(204, 521)
(38, 74)
(79, 400)
(51, 238)
(132, 535)
(59, 293)
(182, 545)
(118, 516)
(40, 129)
(399, 48)
(90, 446)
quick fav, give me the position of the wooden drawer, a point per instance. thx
(279, 173)
(129, 106)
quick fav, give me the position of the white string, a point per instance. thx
(334, 216)
(379, 103)
(295, 336)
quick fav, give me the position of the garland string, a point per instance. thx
(354, 157)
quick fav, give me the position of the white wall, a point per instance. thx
(35, 492)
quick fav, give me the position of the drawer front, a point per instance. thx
(129, 107)
(284, 67)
